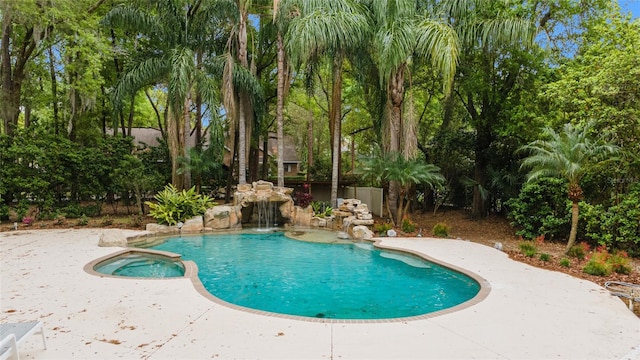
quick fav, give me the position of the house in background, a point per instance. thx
(290, 158)
(150, 137)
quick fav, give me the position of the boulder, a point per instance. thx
(365, 216)
(262, 185)
(223, 217)
(113, 238)
(244, 187)
(303, 216)
(194, 224)
(161, 229)
(362, 233)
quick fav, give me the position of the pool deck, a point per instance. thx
(529, 313)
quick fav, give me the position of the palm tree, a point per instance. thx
(569, 155)
(406, 31)
(170, 30)
(326, 28)
(405, 172)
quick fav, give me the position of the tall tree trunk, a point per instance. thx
(575, 212)
(131, 113)
(243, 105)
(54, 91)
(279, 111)
(396, 98)
(335, 121)
(185, 142)
(480, 208)
(173, 142)
(198, 124)
(309, 145)
(265, 157)
(13, 72)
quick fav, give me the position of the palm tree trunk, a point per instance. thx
(396, 97)
(279, 112)
(243, 103)
(575, 212)
(335, 120)
(174, 146)
(186, 143)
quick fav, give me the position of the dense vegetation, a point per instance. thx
(453, 96)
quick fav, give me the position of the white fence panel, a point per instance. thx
(368, 195)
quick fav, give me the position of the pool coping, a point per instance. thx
(190, 268)
(191, 272)
(89, 317)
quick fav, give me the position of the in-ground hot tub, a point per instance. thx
(139, 264)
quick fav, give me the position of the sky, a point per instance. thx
(632, 6)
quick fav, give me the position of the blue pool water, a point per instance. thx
(274, 273)
(141, 265)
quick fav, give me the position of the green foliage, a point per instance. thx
(174, 206)
(603, 263)
(620, 263)
(528, 249)
(381, 229)
(545, 257)
(106, 221)
(616, 226)
(321, 209)
(408, 226)
(541, 208)
(598, 266)
(136, 220)
(578, 251)
(440, 230)
(564, 262)
(4, 211)
(83, 221)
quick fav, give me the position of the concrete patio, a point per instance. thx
(529, 313)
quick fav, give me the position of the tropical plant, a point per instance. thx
(174, 206)
(568, 155)
(394, 167)
(540, 209)
(440, 230)
(171, 30)
(528, 249)
(327, 29)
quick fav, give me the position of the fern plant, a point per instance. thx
(174, 206)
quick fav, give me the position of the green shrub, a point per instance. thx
(564, 262)
(616, 226)
(620, 263)
(137, 220)
(541, 207)
(441, 230)
(408, 226)
(528, 249)
(83, 221)
(545, 257)
(598, 265)
(106, 221)
(578, 251)
(381, 229)
(174, 206)
(321, 209)
(4, 211)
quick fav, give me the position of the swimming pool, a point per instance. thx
(141, 264)
(342, 280)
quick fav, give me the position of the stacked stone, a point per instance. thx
(359, 212)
